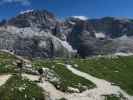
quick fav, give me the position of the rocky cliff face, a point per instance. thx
(34, 18)
(37, 33)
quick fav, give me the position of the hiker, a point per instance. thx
(43, 73)
(20, 66)
(46, 70)
(11, 51)
(40, 71)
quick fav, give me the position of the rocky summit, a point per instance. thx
(39, 33)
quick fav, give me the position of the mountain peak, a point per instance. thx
(28, 18)
(26, 11)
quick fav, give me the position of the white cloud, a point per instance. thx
(81, 17)
(22, 2)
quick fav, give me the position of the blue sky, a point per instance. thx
(65, 8)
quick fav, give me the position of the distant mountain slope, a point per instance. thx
(39, 33)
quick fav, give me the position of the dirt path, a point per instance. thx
(103, 87)
(48, 87)
(4, 78)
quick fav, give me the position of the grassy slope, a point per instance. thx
(68, 79)
(116, 70)
(17, 88)
(6, 63)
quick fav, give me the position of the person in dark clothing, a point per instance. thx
(20, 66)
(40, 71)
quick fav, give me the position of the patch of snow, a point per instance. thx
(100, 35)
(73, 23)
(67, 45)
(123, 54)
(81, 17)
(124, 37)
(26, 11)
(122, 19)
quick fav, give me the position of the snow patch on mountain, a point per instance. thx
(26, 11)
(100, 35)
(81, 17)
(122, 19)
(71, 22)
(67, 45)
(124, 40)
(124, 37)
(123, 54)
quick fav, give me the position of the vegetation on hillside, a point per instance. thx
(6, 63)
(119, 70)
(67, 78)
(112, 97)
(18, 88)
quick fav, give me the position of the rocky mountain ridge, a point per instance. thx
(38, 33)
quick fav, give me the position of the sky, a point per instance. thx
(65, 8)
